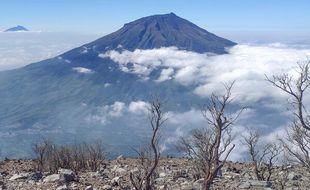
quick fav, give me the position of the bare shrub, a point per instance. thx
(263, 155)
(78, 157)
(149, 155)
(209, 147)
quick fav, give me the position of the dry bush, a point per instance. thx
(209, 147)
(263, 156)
(78, 157)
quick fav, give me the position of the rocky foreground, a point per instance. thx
(172, 174)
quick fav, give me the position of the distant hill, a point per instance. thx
(17, 29)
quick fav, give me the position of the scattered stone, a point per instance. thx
(52, 178)
(245, 185)
(90, 187)
(120, 171)
(294, 176)
(171, 174)
(63, 187)
(20, 176)
(257, 183)
(107, 187)
(115, 181)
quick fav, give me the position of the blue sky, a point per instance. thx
(104, 16)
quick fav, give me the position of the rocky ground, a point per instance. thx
(172, 174)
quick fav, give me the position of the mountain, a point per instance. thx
(17, 29)
(163, 31)
(69, 97)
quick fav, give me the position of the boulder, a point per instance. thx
(20, 176)
(67, 175)
(52, 178)
(294, 176)
(121, 171)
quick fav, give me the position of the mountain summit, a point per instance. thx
(163, 31)
(17, 29)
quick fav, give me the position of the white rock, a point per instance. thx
(20, 176)
(162, 174)
(120, 171)
(63, 187)
(89, 187)
(52, 178)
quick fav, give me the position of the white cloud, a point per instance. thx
(138, 107)
(116, 110)
(106, 85)
(165, 75)
(82, 70)
(246, 64)
(18, 49)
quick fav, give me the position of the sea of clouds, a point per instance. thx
(18, 49)
(247, 64)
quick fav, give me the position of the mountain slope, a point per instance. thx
(17, 29)
(163, 31)
(61, 97)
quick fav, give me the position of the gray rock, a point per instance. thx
(74, 186)
(115, 181)
(294, 176)
(245, 185)
(20, 176)
(63, 187)
(120, 171)
(52, 178)
(67, 175)
(107, 187)
(257, 183)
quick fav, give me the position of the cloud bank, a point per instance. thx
(247, 64)
(18, 49)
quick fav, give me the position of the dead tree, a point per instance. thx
(262, 155)
(297, 142)
(149, 155)
(210, 147)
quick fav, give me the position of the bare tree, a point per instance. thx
(149, 155)
(262, 155)
(296, 143)
(209, 147)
